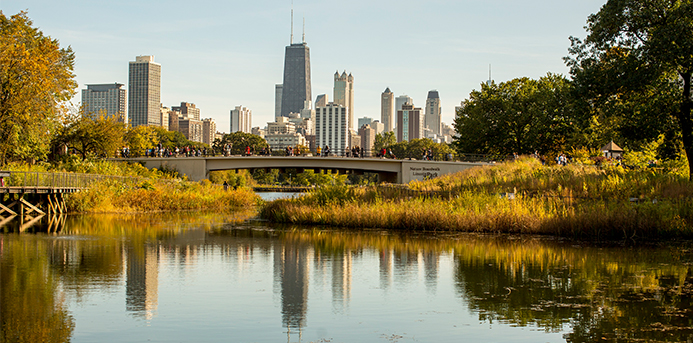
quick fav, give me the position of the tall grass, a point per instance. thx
(162, 195)
(582, 202)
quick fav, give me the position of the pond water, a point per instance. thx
(194, 277)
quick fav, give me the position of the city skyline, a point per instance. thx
(217, 63)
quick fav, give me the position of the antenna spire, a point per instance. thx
(292, 22)
(304, 30)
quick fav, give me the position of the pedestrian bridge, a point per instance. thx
(389, 170)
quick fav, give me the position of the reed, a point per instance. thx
(158, 195)
(583, 202)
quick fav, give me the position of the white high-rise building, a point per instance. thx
(344, 94)
(433, 112)
(241, 120)
(387, 109)
(105, 99)
(144, 103)
(331, 127)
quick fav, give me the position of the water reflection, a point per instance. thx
(584, 293)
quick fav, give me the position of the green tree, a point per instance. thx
(519, 116)
(35, 79)
(141, 138)
(239, 141)
(636, 64)
(384, 140)
(89, 135)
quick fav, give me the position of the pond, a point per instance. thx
(193, 277)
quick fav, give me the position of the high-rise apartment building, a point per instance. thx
(105, 99)
(296, 88)
(145, 92)
(209, 130)
(187, 110)
(191, 129)
(165, 114)
(387, 109)
(401, 100)
(344, 94)
(410, 123)
(241, 119)
(433, 112)
(331, 127)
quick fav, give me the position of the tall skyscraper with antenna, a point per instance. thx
(296, 87)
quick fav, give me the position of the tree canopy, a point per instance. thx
(90, 135)
(519, 116)
(238, 142)
(634, 68)
(35, 79)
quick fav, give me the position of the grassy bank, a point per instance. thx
(141, 189)
(583, 202)
(158, 195)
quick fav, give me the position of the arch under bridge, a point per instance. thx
(388, 170)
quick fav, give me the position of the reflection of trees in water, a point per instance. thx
(31, 308)
(603, 294)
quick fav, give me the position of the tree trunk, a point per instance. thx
(686, 121)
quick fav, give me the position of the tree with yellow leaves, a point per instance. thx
(36, 79)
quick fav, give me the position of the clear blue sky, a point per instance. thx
(221, 54)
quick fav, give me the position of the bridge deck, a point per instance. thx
(39, 190)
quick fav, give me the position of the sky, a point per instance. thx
(222, 54)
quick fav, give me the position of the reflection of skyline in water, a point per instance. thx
(551, 286)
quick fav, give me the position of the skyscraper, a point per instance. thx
(409, 123)
(387, 109)
(401, 100)
(433, 110)
(296, 86)
(331, 127)
(278, 90)
(241, 119)
(145, 92)
(107, 99)
(344, 94)
(321, 100)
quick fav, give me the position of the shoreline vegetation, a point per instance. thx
(145, 190)
(584, 202)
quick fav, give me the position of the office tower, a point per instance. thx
(331, 127)
(187, 110)
(365, 121)
(296, 85)
(209, 129)
(107, 99)
(321, 100)
(409, 123)
(241, 120)
(387, 109)
(344, 94)
(401, 100)
(367, 134)
(278, 90)
(145, 92)
(433, 112)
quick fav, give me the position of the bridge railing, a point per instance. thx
(352, 153)
(55, 180)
